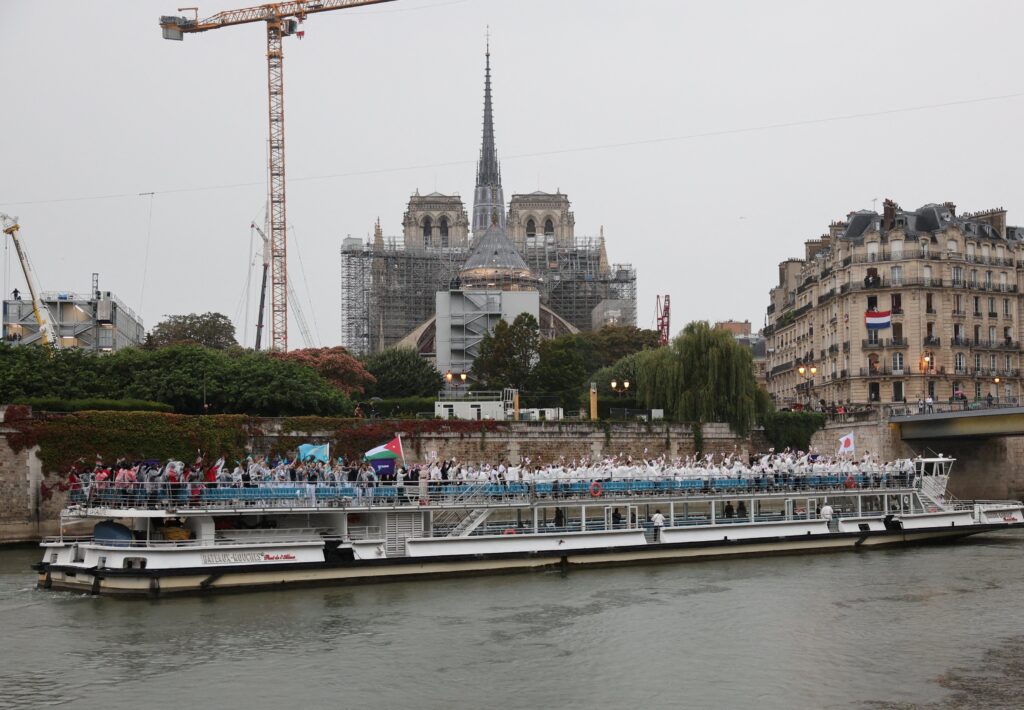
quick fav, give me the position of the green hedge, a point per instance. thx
(55, 404)
(398, 407)
(68, 438)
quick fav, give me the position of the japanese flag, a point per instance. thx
(846, 444)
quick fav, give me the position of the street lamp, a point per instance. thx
(807, 372)
(454, 380)
(620, 389)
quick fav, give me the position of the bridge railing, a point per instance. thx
(963, 405)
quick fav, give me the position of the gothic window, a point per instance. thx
(444, 231)
(531, 228)
(428, 228)
(549, 228)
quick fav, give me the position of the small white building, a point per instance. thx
(478, 406)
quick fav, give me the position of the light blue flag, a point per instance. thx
(321, 452)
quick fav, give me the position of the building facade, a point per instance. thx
(899, 307)
(97, 321)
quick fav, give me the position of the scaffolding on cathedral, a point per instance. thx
(388, 289)
(579, 284)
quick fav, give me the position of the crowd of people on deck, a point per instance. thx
(772, 471)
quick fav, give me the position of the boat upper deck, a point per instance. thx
(155, 500)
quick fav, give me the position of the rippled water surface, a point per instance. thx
(929, 627)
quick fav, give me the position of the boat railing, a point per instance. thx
(363, 532)
(223, 538)
(200, 497)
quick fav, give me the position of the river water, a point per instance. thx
(927, 627)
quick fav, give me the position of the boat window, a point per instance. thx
(135, 563)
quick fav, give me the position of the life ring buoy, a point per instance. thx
(596, 489)
(850, 482)
(508, 531)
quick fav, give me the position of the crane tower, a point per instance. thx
(661, 316)
(282, 19)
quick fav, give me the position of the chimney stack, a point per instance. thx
(888, 214)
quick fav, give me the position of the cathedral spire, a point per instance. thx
(489, 197)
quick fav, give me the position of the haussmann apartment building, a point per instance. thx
(895, 307)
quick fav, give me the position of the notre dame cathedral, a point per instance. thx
(388, 284)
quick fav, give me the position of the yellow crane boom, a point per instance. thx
(47, 333)
(282, 19)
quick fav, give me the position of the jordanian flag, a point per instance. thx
(390, 450)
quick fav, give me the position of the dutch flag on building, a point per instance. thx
(878, 320)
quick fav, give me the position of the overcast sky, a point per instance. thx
(696, 133)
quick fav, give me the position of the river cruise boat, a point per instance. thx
(198, 540)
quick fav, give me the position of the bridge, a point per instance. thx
(957, 421)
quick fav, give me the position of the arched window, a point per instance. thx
(444, 231)
(549, 228)
(951, 246)
(531, 228)
(428, 229)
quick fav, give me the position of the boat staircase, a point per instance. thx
(470, 523)
(464, 523)
(932, 492)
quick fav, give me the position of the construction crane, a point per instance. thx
(46, 331)
(661, 315)
(282, 19)
(263, 283)
(296, 308)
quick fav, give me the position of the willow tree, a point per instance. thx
(703, 376)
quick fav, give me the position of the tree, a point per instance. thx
(560, 375)
(335, 365)
(615, 342)
(704, 376)
(508, 355)
(792, 429)
(190, 378)
(211, 330)
(401, 372)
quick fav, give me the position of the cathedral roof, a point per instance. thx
(495, 261)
